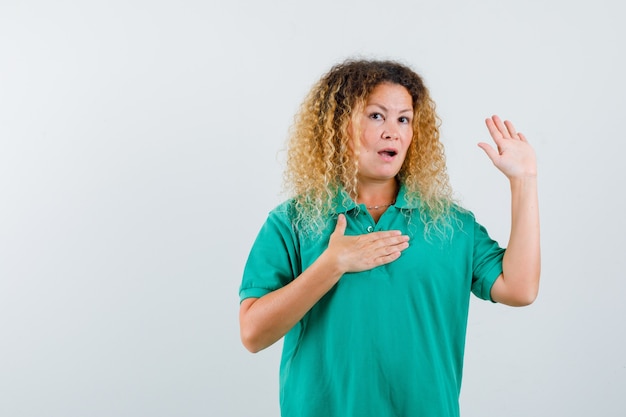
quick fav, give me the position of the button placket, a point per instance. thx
(365, 221)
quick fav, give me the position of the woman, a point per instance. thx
(368, 269)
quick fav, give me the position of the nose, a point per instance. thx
(390, 134)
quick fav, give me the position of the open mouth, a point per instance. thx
(388, 152)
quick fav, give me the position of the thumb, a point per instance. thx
(340, 228)
(491, 153)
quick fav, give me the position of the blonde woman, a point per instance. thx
(367, 270)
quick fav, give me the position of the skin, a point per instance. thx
(386, 132)
(386, 124)
(514, 157)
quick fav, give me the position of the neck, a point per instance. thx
(378, 194)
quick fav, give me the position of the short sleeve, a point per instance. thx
(273, 261)
(487, 262)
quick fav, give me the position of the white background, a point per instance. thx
(140, 151)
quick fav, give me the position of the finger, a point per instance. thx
(493, 130)
(340, 228)
(391, 254)
(397, 247)
(522, 137)
(375, 236)
(388, 258)
(491, 153)
(390, 245)
(501, 127)
(388, 248)
(511, 129)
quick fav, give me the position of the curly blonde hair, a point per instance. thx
(320, 163)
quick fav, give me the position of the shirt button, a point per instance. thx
(370, 229)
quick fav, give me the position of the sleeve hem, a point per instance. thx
(252, 293)
(488, 284)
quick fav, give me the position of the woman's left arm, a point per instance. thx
(519, 283)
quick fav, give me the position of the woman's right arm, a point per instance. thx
(263, 321)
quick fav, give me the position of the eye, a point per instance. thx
(376, 116)
(404, 120)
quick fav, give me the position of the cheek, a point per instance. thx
(409, 137)
(370, 136)
(407, 144)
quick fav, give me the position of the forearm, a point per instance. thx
(522, 259)
(265, 320)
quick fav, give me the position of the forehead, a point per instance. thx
(390, 93)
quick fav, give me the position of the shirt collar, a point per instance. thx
(343, 203)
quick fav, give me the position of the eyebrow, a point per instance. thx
(386, 109)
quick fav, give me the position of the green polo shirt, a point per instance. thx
(383, 342)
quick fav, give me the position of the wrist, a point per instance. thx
(523, 181)
(330, 264)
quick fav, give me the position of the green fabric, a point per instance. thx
(384, 342)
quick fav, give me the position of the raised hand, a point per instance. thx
(521, 266)
(514, 155)
(363, 252)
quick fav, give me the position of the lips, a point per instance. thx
(388, 154)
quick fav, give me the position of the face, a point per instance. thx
(386, 131)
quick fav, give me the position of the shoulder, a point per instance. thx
(285, 212)
(460, 212)
(278, 227)
(462, 220)
(306, 218)
(281, 215)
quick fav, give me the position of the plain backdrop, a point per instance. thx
(141, 148)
